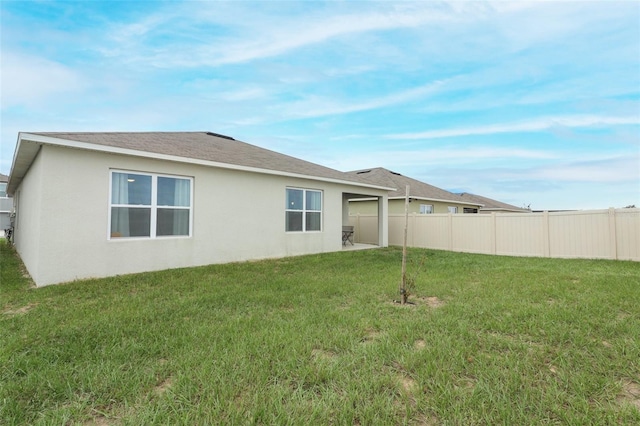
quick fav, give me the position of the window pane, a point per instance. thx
(174, 192)
(130, 222)
(313, 221)
(294, 221)
(172, 222)
(426, 208)
(129, 188)
(314, 200)
(3, 189)
(294, 199)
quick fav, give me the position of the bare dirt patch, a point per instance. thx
(409, 386)
(425, 420)
(419, 344)
(432, 302)
(98, 421)
(322, 354)
(371, 336)
(163, 386)
(19, 311)
(466, 384)
(630, 394)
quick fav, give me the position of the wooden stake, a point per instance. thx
(403, 284)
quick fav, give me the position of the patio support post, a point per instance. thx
(383, 221)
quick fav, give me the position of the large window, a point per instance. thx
(149, 205)
(303, 210)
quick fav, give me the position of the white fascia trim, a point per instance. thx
(145, 154)
(438, 200)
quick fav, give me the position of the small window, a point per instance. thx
(426, 208)
(452, 209)
(149, 205)
(303, 212)
(3, 189)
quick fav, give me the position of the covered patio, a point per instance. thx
(353, 243)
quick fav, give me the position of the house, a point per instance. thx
(104, 204)
(423, 198)
(6, 205)
(489, 205)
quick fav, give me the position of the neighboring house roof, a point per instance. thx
(4, 178)
(204, 148)
(493, 205)
(417, 189)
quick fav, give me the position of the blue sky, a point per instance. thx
(529, 103)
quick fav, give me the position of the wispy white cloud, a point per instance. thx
(316, 106)
(29, 80)
(537, 125)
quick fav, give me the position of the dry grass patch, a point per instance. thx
(409, 385)
(371, 336)
(630, 394)
(19, 311)
(163, 386)
(419, 344)
(99, 421)
(432, 301)
(322, 354)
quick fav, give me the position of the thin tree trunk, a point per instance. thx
(403, 285)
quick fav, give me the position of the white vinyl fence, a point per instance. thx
(594, 234)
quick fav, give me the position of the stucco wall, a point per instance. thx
(28, 222)
(237, 216)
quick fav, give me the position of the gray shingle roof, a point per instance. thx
(490, 204)
(205, 146)
(417, 189)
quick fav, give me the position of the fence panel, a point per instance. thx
(365, 228)
(580, 234)
(472, 233)
(627, 234)
(521, 234)
(595, 234)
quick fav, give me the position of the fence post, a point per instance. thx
(450, 231)
(546, 243)
(494, 234)
(613, 242)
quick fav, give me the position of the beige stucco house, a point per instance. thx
(423, 198)
(103, 204)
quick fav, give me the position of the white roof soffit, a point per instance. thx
(25, 155)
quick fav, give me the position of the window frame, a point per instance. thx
(153, 207)
(452, 209)
(426, 208)
(304, 210)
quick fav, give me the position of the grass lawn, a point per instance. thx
(318, 340)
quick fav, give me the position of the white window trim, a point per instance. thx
(153, 206)
(305, 210)
(426, 205)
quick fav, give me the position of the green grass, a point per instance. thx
(318, 340)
